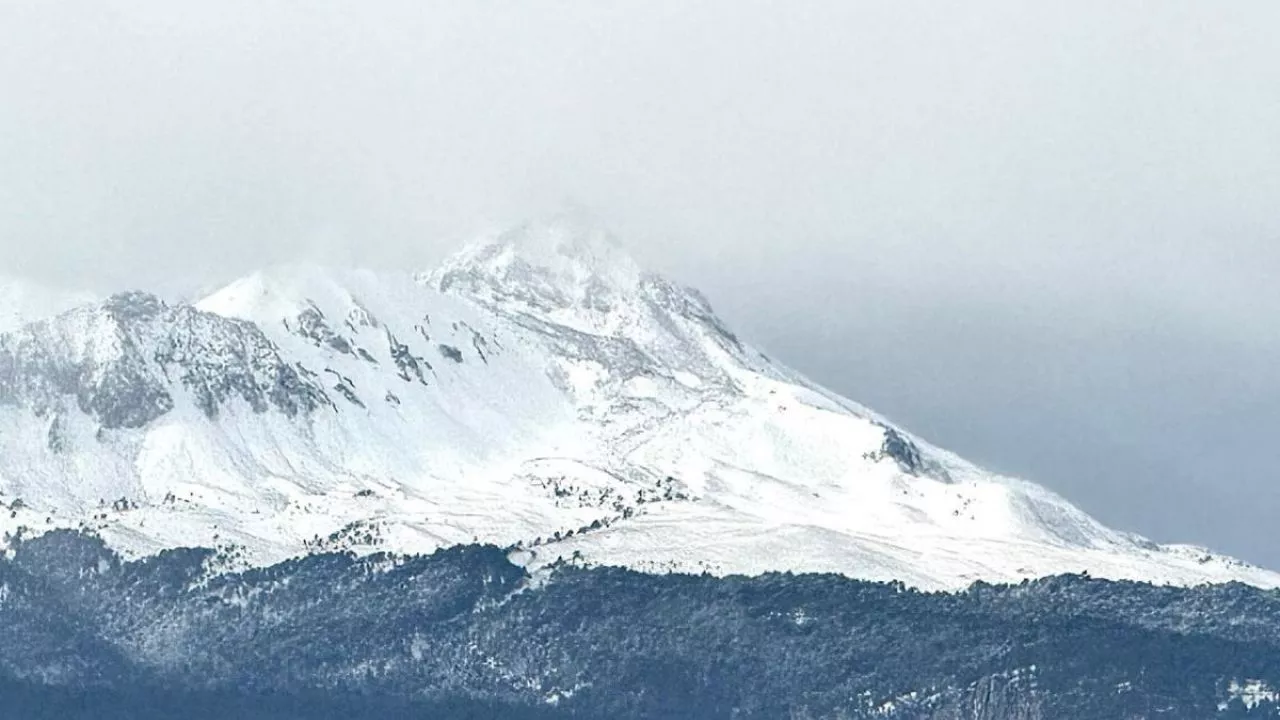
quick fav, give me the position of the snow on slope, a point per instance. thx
(22, 301)
(539, 391)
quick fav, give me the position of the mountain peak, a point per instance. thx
(570, 238)
(569, 246)
(566, 265)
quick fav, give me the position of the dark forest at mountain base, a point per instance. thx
(465, 633)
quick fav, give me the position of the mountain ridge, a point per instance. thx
(539, 391)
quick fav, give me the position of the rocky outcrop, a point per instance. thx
(124, 362)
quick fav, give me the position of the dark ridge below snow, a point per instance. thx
(465, 633)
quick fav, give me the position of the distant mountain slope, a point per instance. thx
(538, 391)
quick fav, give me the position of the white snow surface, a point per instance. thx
(23, 301)
(565, 403)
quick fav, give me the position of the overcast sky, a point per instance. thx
(1044, 235)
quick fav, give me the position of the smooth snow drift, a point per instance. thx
(538, 391)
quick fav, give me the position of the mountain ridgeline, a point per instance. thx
(466, 633)
(538, 390)
(148, 344)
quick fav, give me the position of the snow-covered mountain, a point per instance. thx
(538, 391)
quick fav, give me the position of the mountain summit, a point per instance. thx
(539, 391)
(566, 252)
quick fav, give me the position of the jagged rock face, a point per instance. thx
(997, 697)
(122, 361)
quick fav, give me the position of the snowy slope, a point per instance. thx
(538, 391)
(22, 301)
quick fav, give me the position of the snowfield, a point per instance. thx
(538, 391)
